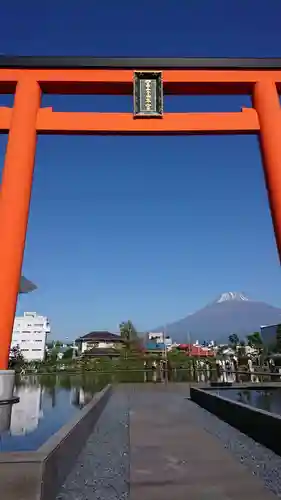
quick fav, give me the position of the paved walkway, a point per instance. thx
(155, 430)
(172, 457)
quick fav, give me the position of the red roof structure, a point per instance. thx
(196, 350)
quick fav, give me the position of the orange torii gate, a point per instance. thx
(28, 77)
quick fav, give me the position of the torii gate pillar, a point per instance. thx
(27, 77)
(267, 105)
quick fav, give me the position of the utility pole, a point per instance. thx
(188, 342)
(165, 355)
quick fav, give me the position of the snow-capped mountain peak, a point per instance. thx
(229, 296)
(230, 312)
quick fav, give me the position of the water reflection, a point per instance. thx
(175, 375)
(79, 397)
(263, 399)
(5, 417)
(26, 414)
(46, 403)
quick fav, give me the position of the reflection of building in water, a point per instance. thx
(5, 417)
(27, 412)
(78, 397)
(74, 396)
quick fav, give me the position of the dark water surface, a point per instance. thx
(46, 403)
(263, 399)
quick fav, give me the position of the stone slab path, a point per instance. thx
(172, 457)
(149, 444)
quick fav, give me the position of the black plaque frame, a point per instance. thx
(148, 75)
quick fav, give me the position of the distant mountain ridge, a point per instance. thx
(231, 312)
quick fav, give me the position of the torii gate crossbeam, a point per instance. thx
(29, 77)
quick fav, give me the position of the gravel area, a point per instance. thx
(261, 461)
(102, 469)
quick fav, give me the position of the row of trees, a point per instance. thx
(130, 336)
(255, 340)
(133, 344)
(128, 333)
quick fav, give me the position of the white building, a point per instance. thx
(29, 334)
(157, 337)
(160, 339)
(26, 414)
(99, 340)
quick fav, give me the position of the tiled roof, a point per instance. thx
(100, 336)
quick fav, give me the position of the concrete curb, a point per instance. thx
(262, 426)
(38, 475)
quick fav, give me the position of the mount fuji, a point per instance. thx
(231, 312)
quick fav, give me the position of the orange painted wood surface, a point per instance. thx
(27, 119)
(51, 122)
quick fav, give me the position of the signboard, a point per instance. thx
(148, 94)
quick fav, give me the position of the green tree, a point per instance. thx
(255, 340)
(16, 360)
(57, 344)
(68, 354)
(234, 340)
(242, 348)
(130, 337)
(52, 356)
(128, 332)
(278, 338)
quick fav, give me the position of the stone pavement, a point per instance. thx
(149, 445)
(172, 457)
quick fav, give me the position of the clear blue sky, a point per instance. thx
(144, 228)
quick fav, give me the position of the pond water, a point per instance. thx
(46, 403)
(49, 401)
(263, 399)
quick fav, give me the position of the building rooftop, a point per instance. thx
(196, 350)
(100, 336)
